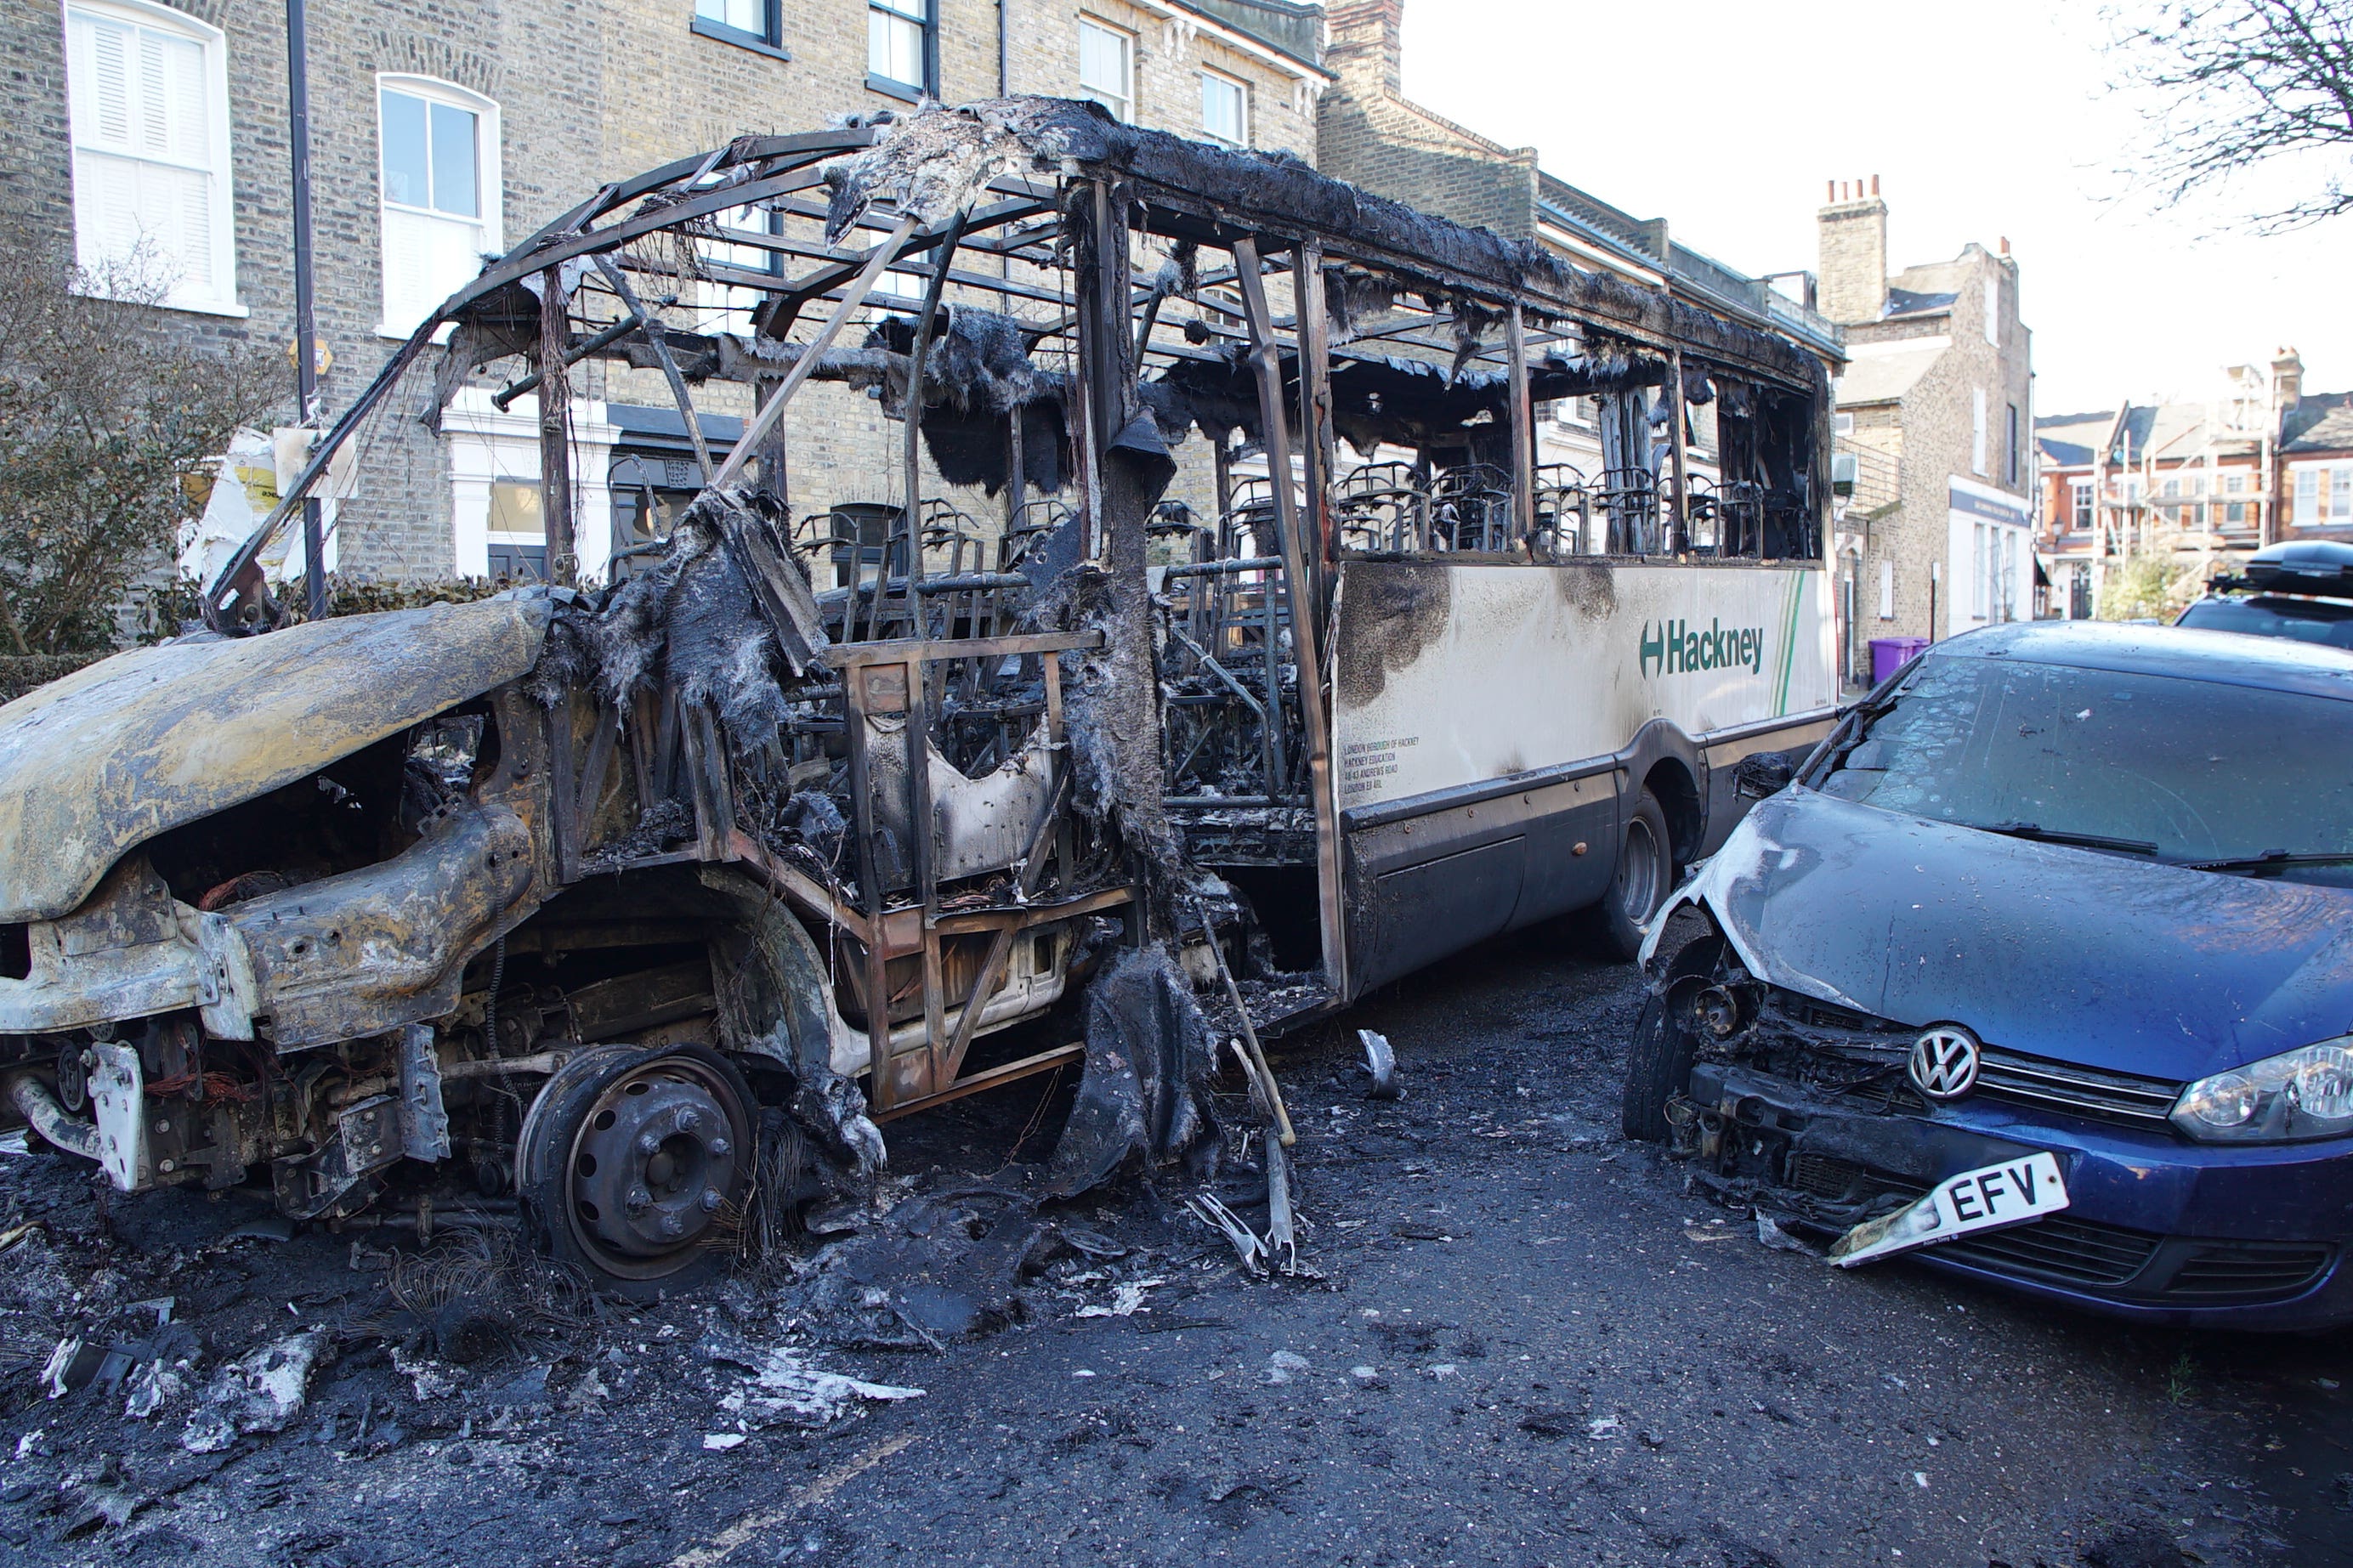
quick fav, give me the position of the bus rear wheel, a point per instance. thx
(635, 1162)
(1646, 872)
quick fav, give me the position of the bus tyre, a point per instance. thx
(635, 1164)
(1646, 872)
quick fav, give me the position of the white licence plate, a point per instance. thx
(1986, 1198)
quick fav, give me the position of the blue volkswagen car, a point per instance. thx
(2039, 968)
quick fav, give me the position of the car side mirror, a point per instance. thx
(1762, 774)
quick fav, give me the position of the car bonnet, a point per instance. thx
(139, 743)
(2099, 960)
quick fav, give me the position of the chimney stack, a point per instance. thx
(1854, 260)
(2287, 377)
(1366, 39)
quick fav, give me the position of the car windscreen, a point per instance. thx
(2305, 620)
(2186, 770)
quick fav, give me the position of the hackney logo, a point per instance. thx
(1685, 647)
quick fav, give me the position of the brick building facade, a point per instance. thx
(2189, 480)
(441, 132)
(1934, 411)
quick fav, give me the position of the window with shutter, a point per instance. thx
(439, 190)
(147, 100)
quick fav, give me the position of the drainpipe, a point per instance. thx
(306, 321)
(1005, 51)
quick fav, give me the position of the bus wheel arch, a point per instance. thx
(1670, 782)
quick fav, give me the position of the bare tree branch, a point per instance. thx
(2238, 85)
(112, 426)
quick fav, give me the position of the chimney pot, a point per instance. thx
(1874, 184)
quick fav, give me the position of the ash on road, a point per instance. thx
(1523, 1342)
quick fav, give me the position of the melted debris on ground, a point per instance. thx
(1513, 1338)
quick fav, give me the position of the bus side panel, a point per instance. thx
(1451, 680)
(1429, 886)
(1448, 677)
(1406, 913)
(1573, 833)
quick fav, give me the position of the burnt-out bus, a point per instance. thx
(1207, 616)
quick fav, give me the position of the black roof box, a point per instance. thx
(2307, 565)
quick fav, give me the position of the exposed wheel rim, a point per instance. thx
(652, 1166)
(1640, 879)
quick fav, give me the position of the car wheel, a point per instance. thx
(635, 1166)
(1658, 1063)
(1645, 875)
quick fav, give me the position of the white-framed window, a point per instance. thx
(899, 43)
(438, 181)
(1993, 311)
(1107, 67)
(756, 24)
(727, 307)
(895, 294)
(1224, 110)
(1977, 430)
(1886, 589)
(1841, 423)
(2080, 503)
(2340, 494)
(2307, 495)
(497, 525)
(147, 98)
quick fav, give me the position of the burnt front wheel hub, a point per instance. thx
(655, 1159)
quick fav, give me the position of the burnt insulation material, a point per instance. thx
(772, 994)
(692, 619)
(978, 361)
(938, 159)
(1407, 401)
(1352, 296)
(1180, 275)
(977, 373)
(970, 448)
(1108, 712)
(934, 162)
(1146, 1093)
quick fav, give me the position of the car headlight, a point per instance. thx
(2306, 1093)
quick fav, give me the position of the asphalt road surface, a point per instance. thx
(1516, 1339)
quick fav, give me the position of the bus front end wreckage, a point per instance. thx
(640, 906)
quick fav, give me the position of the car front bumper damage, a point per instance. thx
(2156, 1229)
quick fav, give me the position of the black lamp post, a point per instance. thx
(306, 325)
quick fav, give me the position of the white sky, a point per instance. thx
(1981, 121)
